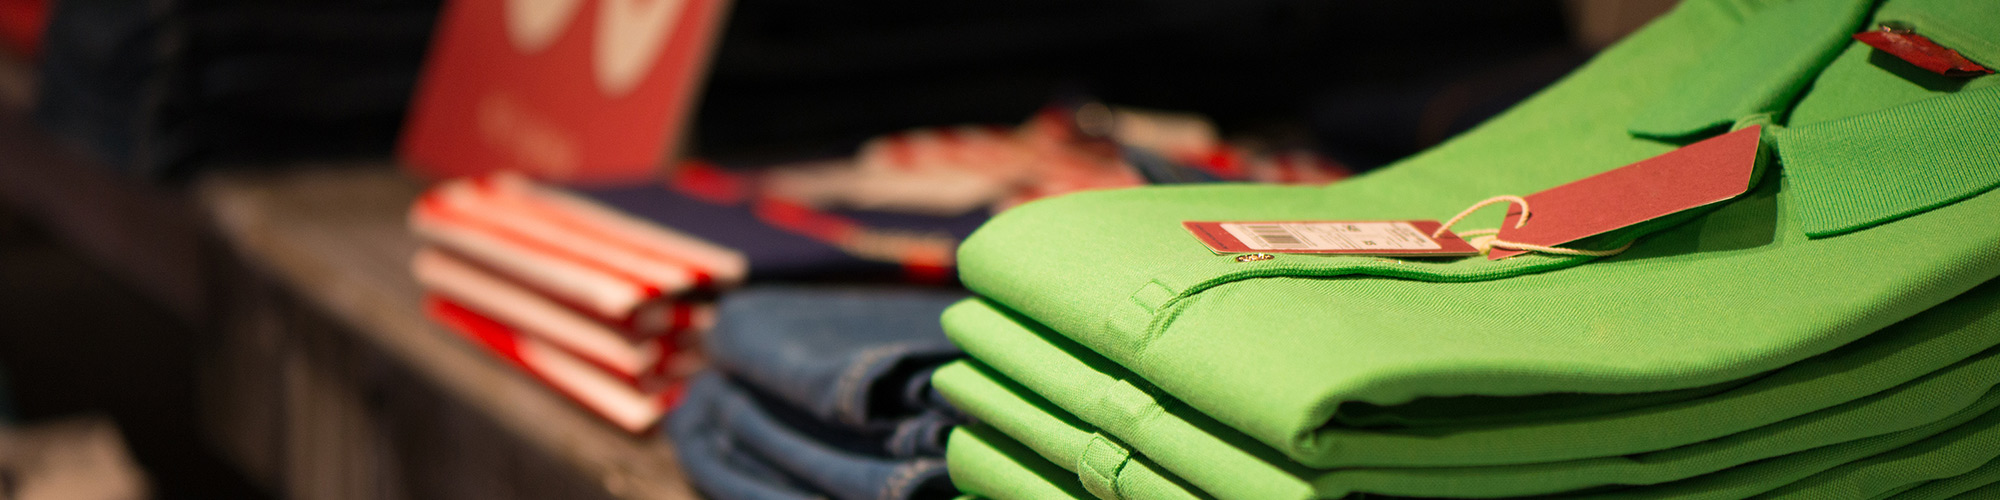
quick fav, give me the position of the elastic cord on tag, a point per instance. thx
(1491, 240)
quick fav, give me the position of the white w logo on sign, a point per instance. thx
(629, 37)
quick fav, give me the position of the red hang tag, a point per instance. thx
(1379, 238)
(1698, 174)
(1922, 52)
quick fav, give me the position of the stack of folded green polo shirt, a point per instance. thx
(1826, 334)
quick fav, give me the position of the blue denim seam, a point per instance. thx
(907, 438)
(845, 389)
(900, 481)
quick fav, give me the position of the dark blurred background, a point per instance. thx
(1356, 78)
(163, 91)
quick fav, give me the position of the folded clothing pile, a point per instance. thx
(1065, 147)
(606, 293)
(162, 88)
(606, 307)
(619, 282)
(821, 393)
(1832, 333)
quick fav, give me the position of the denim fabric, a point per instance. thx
(738, 445)
(855, 357)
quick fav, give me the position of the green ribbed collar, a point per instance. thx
(1848, 174)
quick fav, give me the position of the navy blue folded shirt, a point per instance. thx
(787, 242)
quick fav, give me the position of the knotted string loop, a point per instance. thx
(1490, 239)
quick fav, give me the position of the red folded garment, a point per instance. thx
(637, 412)
(633, 273)
(644, 362)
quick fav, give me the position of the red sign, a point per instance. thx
(576, 91)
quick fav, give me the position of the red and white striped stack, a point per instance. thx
(1299, 167)
(605, 308)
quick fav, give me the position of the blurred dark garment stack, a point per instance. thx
(7, 415)
(159, 88)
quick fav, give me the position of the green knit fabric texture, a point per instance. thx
(994, 466)
(1983, 476)
(1045, 390)
(1955, 453)
(1343, 361)
(1117, 474)
(1760, 73)
(1988, 492)
(986, 464)
(1948, 160)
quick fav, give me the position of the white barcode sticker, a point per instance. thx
(1331, 236)
(1394, 238)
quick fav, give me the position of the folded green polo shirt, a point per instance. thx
(1964, 484)
(1916, 372)
(1875, 209)
(1987, 492)
(1953, 451)
(989, 464)
(986, 464)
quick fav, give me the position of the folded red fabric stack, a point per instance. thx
(607, 309)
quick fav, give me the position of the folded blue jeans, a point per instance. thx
(854, 357)
(735, 444)
(823, 392)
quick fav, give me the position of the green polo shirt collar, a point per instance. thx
(1849, 174)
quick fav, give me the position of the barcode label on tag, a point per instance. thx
(1332, 236)
(1267, 235)
(1388, 238)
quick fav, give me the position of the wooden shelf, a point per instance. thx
(322, 377)
(336, 237)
